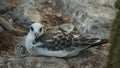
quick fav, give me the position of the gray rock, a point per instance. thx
(1, 29)
(91, 17)
(34, 62)
(26, 13)
(19, 14)
(68, 28)
(86, 60)
(5, 7)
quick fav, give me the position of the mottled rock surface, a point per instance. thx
(5, 7)
(92, 18)
(85, 60)
(35, 62)
(67, 27)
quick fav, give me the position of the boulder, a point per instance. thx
(91, 18)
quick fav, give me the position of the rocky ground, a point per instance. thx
(91, 18)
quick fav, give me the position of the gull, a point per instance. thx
(56, 43)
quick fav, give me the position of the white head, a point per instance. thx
(36, 29)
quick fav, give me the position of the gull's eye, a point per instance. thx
(31, 28)
(40, 29)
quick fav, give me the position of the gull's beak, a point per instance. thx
(36, 35)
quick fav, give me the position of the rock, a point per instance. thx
(5, 7)
(91, 18)
(67, 27)
(19, 15)
(87, 59)
(1, 29)
(34, 62)
(26, 13)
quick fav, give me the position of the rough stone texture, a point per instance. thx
(1, 29)
(35, 62)
(26, 13)
(86, 59)
(67, 27)
(91, 17)
(5, 7)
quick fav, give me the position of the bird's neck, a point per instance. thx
(29, 42)
(31, 37)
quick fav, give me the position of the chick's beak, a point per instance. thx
(36, 35)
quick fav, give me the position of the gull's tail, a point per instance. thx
(98, 42)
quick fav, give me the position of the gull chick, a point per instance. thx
(57, 44)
